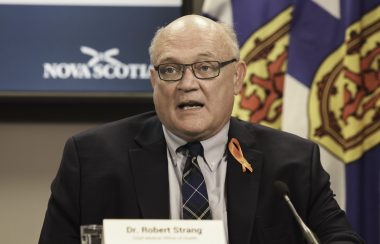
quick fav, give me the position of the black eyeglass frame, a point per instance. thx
(220, 65)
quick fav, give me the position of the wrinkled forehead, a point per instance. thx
(192, 41)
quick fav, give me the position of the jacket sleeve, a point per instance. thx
(62, 219)
(325, 217)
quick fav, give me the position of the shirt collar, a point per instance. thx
(214, 147)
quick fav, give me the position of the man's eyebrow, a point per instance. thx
(206, 56)
(168, 60)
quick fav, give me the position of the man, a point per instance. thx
(139, 167)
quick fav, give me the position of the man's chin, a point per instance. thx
(190, 133)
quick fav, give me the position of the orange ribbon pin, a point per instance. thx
(235, 150)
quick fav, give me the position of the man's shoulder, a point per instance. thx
(264, 133)
(126, 127)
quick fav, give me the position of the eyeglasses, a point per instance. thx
(202, 70)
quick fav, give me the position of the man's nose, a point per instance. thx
(188, 81)
(187, 69)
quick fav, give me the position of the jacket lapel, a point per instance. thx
(150, 171)
(242, 188)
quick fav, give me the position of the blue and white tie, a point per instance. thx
(195, 204)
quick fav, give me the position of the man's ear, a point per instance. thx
(153, 77)
(241, 70)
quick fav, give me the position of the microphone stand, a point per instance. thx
(309, 235)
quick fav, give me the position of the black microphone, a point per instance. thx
(283, 189)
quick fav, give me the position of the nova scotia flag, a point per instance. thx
(314, 70)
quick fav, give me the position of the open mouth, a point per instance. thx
(190, 105)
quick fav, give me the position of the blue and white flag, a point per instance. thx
(330, 94)
(263, 32)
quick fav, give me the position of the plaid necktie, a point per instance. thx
(195, 203)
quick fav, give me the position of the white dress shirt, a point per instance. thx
(213, 167)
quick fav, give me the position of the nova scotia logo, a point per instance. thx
(101, 65)
(97, 57)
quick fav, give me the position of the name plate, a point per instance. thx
(143, 231)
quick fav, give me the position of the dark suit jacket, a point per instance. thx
(120, 171)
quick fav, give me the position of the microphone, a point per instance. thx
(283, 190)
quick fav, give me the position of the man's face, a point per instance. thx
(192, 108)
